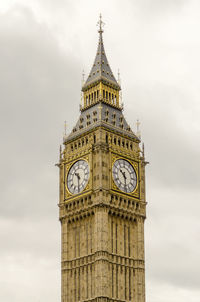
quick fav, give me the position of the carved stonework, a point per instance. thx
(102, 227)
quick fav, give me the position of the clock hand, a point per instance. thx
(78, 179)
(124, 174)
(125, 178)
(125, 181)
(121, 172)
(77, 174)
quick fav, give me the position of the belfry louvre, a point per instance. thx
(102, 205)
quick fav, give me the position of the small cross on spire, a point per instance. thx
(101, 24)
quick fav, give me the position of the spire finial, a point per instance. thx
(143, 149)
(138, 128)
(118, 80)
(65, 128)
(60, 152)
(101, 24)
(83, 77)
(65, 131)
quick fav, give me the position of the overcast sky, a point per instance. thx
(44, 45)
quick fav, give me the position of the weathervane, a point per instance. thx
(101, 24)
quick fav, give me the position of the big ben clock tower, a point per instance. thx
(102, 197)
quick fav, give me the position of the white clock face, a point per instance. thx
(124, 176)
(78, 177)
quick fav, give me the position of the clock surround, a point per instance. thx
(78, 176)
(124, 175)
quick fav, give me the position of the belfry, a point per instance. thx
(102, 197)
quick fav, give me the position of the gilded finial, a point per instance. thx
(60, 152)
(65, 128)
(65, 131)
(83, 77)
(118, 80)
(100, 24)
(138, 129)
(143, 150)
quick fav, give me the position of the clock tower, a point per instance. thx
(102, 197)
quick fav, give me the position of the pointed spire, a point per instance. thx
(101, 70)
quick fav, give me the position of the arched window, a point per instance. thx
(94, 139)
(106, 138)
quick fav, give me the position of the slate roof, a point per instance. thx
(101, 114)
(101, 69)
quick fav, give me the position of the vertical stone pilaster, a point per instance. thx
(101, 235)
(140, 241)
(104, 248)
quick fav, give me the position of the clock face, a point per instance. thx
(78, 177)
(124, 176)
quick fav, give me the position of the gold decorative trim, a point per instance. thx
(67, 168)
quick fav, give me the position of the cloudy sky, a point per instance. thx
(44, 45)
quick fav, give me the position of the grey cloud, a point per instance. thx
(173, 150)
(39, 85)
(37, 93)
(172, 235)
(159, 7)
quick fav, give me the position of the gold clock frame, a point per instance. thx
(67, 167)
(135, 164)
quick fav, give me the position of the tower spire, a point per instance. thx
(101, 71)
